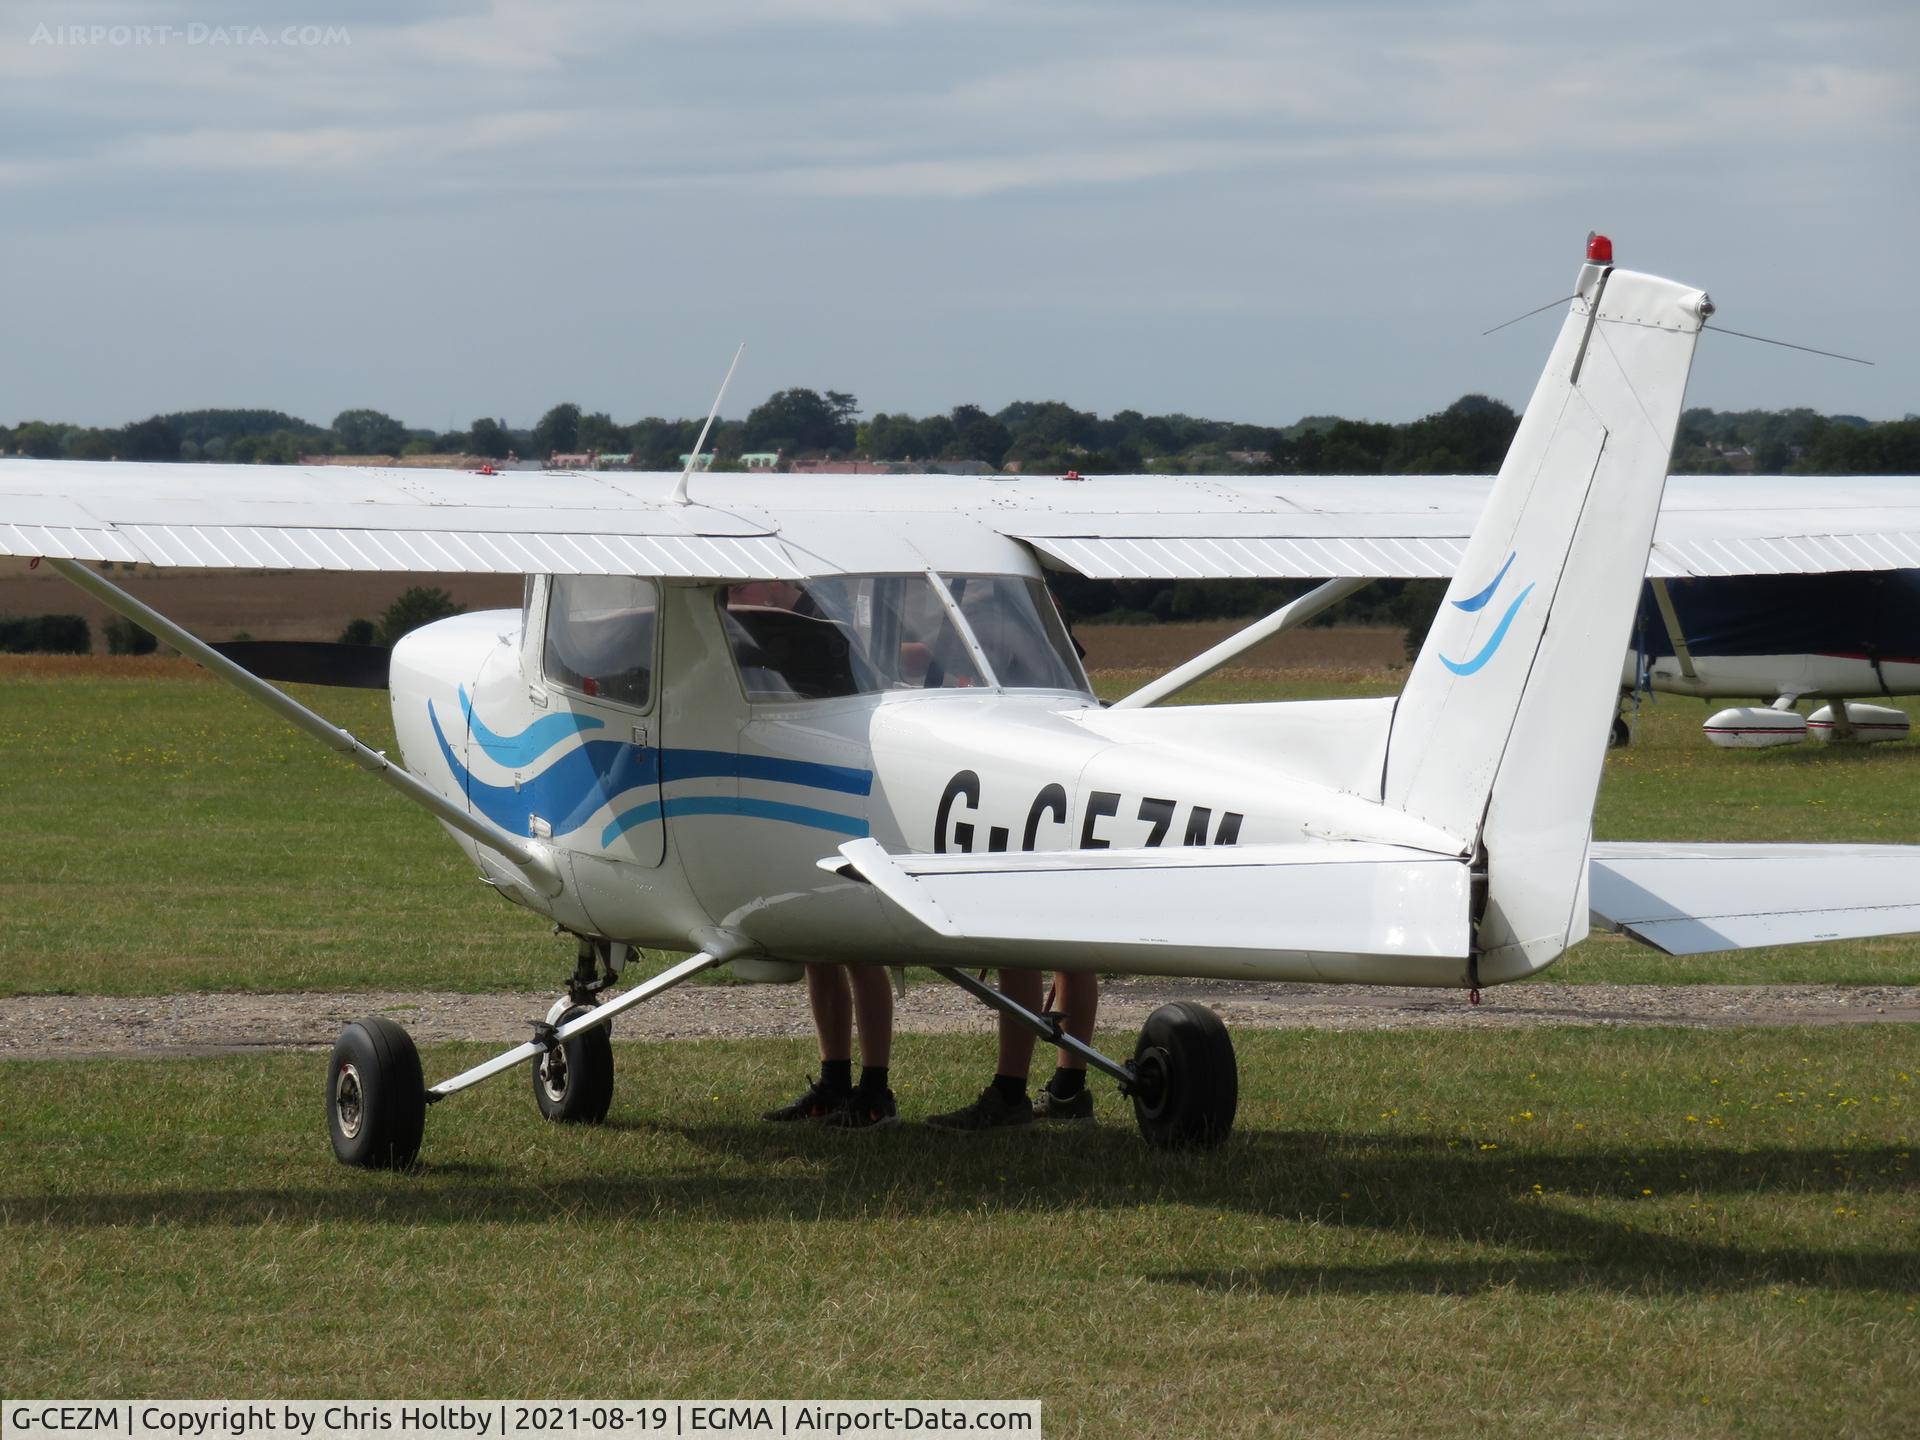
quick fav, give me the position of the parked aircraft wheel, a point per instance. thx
(376, 1099)
(574, 1083)
(1622, 735)
(1188, 1085)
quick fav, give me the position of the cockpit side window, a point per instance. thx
(1014, 621)
(599, 641)
(843, 635)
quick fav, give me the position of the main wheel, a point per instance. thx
(1187, 1085)
(574, 1081)
(376, 1099)
(1621, 735)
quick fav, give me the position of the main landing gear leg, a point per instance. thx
(377, 1106)
(1183, 1079)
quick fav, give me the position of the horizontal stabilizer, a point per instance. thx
(1691, 899)
(1278, 911)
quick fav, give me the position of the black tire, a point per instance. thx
(1187, 1084)
(1622, 734)
(574, 1084)
(376, 1099)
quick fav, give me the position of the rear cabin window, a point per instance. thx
(600, 637)
(844, 635)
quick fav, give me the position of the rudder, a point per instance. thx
(1499, 735)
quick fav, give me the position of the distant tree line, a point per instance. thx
(1036, 436)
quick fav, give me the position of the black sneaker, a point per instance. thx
(863, 1110)
(992, 1111)
(1049, 1106)
(817, 1104)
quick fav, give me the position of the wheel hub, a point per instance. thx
(349, 1100)
(553, 1074)
(1152, 1076)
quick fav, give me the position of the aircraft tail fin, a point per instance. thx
(1499, 735)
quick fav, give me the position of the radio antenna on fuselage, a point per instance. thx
(680, 490)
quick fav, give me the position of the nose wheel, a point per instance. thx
(1186, 1083)
(573, 1080)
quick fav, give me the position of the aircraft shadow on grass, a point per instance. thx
(1418, 1189)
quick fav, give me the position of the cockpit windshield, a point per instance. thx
(844, 635)
(863, 634)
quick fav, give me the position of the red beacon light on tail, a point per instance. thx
(1599, 249)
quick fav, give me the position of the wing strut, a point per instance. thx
(528, 855)
(1294, 612)
(1670, 617)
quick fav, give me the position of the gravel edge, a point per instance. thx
(71, 1027)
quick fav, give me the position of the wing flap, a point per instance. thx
(1694, 899)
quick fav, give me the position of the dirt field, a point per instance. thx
(303, 605)
(1337, 651)
(223, 604)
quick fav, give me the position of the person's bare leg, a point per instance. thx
(829, 994)
(873, 1010)
(1077, 996)
(869, 1103)
(1016, 1041)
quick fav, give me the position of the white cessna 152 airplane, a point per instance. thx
(783, 720)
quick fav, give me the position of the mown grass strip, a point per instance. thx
(1562, 1232)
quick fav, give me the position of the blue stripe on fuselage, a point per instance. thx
(805, 815)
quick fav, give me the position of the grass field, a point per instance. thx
(171, 836)
(1574, 1232)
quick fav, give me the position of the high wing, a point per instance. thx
(1691, 899)
(1218, 908)
(1109, 527)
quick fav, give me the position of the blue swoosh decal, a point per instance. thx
(596, 774)
(531, 743)
(567, 793)
(806, 815)
(1467, 667)
(1475, 602)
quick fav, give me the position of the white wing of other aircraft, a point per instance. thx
(742, 526)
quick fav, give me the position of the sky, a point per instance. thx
(452, 208)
